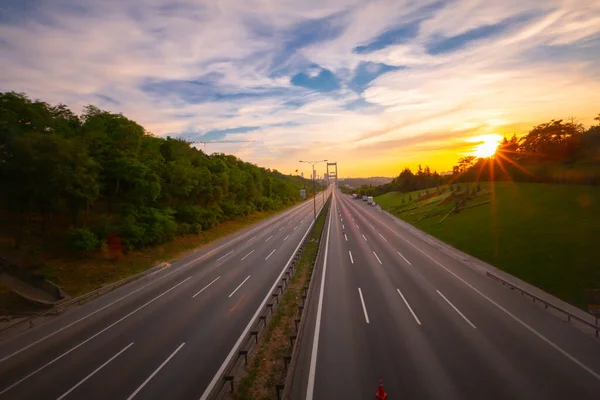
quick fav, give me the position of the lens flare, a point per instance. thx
(486, 145)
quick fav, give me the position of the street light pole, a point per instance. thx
(313, 163)
(324, 189)
(314, 195)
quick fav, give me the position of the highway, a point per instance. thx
(386, 303)
(164, 336)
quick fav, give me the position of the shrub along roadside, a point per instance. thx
(80, 275)
(266, 366)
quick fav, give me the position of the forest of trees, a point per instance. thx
(552, 152)
(101, 174)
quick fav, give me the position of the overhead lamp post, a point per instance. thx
(313, 163)
(324, 188)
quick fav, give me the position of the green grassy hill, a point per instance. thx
(547, 235)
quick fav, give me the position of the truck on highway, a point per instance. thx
(370, 200)
(364, 198)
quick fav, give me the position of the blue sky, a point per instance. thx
(376, 85)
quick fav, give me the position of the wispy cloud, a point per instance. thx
(401, 80)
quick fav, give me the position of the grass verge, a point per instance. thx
(266, 366)
(545, 234)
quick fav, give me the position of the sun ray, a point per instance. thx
(518, 166)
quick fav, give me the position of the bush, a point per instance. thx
(200, 218)
(185, 228)
(146, 226)
(265, 204)
(159, 223)
(82, 239)
(232, 210)
(131, 233)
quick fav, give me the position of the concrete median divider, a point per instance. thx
(244, 359)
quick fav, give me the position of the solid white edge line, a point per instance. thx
(243, 258)
(239, 286)
(270, 254)
(65, 394)
(91, 337)
(268, 238)
(206, 287)
(284, 239)
(456, 309)
(383, 237)
(222, 257)
(377, 258)
(517, 319)
(237, 344)
(351, 259)
(364, 237)
(409, 308)
(363, 305)
(404, 258)
(156, 371)
(315, 347)
(154, 281)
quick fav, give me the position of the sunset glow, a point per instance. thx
(380, 85)
(486, 145)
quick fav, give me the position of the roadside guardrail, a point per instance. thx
(249, 345)
(547, 304)
(284, 391)
(80, 299)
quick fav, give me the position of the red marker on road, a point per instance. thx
(381, 394)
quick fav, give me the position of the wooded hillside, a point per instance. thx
(99, 174)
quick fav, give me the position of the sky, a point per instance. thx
(372, 85)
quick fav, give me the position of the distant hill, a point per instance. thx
(357, 182)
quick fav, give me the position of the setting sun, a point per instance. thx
(486, 145)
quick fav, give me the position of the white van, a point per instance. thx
(370, 200)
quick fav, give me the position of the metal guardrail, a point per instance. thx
(250, 343)
(548, 304)
(300, 321)
(80, 299)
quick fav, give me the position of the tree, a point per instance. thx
(465, 163)
(129, 182)
(553, 141)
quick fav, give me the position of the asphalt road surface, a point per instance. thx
(388, 304)
(164, 336)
